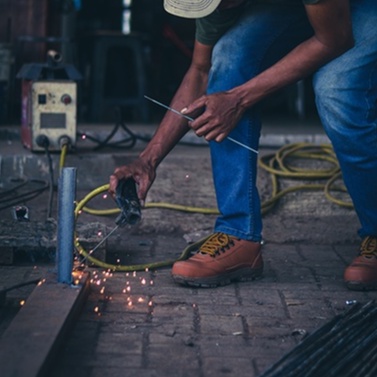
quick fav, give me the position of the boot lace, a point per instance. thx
(368, 247)
(218, 242)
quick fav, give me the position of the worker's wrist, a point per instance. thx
(151, 156)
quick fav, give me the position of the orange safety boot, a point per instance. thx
(220, 260)
(361, 274)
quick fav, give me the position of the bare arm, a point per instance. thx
(171, 129)
(332, 36)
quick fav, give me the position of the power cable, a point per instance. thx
(278, 165)
(12, 197)
(51, 185)
(127, 142)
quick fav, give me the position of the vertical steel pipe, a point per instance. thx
(66, 224)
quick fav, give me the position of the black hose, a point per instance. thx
(10, 198)
(129, 141)
(51, 183)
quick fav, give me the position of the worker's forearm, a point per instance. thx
(173, 127)
(164, 140)
(333, 36)
(298, 64)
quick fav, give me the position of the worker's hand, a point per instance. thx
(221, 113)
(142, 174)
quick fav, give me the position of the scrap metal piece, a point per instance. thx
(20, 213)
(128, 202)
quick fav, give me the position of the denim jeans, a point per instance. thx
(346, 98)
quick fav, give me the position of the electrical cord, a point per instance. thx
(43, 142)
(276, 164)
(11, 191)
(63, 154)
(124, 268)
(51, 182)
(126, 143)
(10, 198)
(4, 291)
(20, 285)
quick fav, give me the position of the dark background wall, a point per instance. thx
(29, 28)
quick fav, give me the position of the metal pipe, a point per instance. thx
(66, 220)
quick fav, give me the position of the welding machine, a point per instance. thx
(49, 104)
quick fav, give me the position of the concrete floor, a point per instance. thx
(156, 328)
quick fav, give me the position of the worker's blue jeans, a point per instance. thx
(346, 97)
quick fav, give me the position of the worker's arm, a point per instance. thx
(333, 36)
(171, 129)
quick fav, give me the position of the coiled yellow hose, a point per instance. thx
(140, 267)
(276, 164)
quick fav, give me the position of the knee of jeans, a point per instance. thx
(326, 86)
(330, 99)
(230, 66)
(222, 59)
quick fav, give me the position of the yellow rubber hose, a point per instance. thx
(276, 164)
(63, 155)
(126, 268)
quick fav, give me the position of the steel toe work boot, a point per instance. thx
(361, 274)
(220, 260)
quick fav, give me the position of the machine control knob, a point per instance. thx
(66, 99)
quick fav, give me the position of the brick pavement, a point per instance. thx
(145, 325)
(157, 328)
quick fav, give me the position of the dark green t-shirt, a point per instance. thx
(209, 29)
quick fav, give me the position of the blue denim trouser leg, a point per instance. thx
(264, 34)
(346, 97)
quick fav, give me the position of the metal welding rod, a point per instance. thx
(191, 119)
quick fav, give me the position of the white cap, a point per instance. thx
(191, 8)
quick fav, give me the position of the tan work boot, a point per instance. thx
(220, 260)
(361, 274)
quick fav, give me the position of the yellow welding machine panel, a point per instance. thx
(53, 112)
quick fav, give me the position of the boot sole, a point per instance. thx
(243, 275)
(357, 286)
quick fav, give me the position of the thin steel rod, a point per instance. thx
(191, 119)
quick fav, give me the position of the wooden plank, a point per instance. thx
(30, 343)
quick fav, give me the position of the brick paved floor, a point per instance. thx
(143, 324)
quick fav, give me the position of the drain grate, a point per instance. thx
(345, 346)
